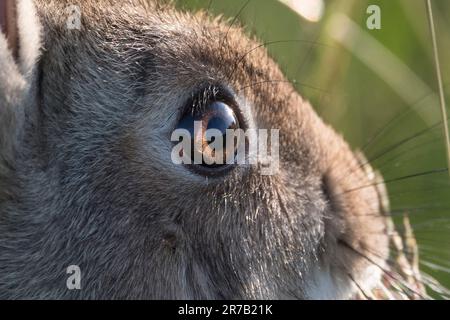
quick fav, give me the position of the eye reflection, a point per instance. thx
(217, 117)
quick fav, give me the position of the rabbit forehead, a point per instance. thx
(152, 63)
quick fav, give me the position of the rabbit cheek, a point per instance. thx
(356, 231)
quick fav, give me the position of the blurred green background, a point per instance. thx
(378, 88)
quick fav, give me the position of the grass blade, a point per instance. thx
(439, 79)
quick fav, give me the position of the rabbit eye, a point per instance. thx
(210, 121)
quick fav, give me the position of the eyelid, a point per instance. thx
(210, 92)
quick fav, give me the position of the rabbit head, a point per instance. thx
(87, 177)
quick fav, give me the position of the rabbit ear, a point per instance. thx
(19, 52)
(8, 23)
(11, 80)
(19, 40)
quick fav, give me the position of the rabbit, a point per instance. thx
(87, 179)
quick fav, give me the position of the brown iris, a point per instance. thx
(208, 127)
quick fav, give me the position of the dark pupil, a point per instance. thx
(216, 115)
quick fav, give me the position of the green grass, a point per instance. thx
(359, 95)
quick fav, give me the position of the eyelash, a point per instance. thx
(198, 102)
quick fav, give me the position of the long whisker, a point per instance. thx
(391, 148)
(420, 174)
(394, 195)
(400, 211)
(280, 81)
(393, 121)
(407, 151)
(308, 53)
(361, 290)
(268, 43)
(389, 274)
(234, 21)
